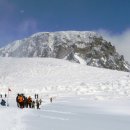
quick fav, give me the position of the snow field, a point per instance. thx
(85, 98)
(71, 113)
(60, 77)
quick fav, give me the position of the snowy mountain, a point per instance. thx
(77, 46)
(56, 76)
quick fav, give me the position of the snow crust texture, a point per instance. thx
(56, 76)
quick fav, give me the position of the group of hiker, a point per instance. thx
(28, 102)
(24, 101)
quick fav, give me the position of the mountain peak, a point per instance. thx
(85, 47)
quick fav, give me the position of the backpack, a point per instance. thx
(29, 100)
(20, 99)
(3, 103)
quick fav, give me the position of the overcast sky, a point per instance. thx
(21, 18)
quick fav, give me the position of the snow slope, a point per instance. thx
(72, 113)
(85, 98)
(47, 75)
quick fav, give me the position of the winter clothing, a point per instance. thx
(26, 102)
(35, 96)
(33, 104)
(21, 101)
(3, 102)
(40, 101)
(5, 95)
(37, 104)
(51, 99)
(30, 102)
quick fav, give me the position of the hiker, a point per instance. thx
(21, 101)
(40, 101)
(29, 102)
(26, 102)
(33, 104)
(3, 102)
(37, 104)
(35, 96)
(5, 95)
(51, 99)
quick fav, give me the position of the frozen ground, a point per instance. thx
(85, 98)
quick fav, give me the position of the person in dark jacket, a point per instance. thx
(3, 102)
(40, 101)
(26, 102)
(23, 100)
(33, 104)
(37, 104)
(5, 95)
(51, 99)
(35, 96)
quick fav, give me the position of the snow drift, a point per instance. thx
(48, 75)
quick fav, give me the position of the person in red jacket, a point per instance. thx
(21, 101)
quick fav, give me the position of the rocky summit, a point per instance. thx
(82, 47)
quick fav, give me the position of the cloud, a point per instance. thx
(120, 41)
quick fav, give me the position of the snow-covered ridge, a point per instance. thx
(45, 38)
(76, 46)
(47, 75)
(70, 33)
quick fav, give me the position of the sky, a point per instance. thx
(22, 18)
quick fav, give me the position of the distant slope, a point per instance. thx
(47, 75)
(82, 47)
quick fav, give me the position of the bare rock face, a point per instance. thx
(81, 47)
